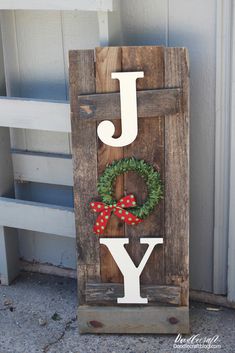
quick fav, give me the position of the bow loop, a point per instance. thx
(119, 209)
(127, 202)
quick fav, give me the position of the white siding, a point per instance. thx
(190, 24)
(89, 5)
(195, 28)
(231, 242)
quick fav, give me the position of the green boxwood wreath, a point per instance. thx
(146, 171)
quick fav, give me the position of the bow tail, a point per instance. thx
(127, 216)
(101, 222)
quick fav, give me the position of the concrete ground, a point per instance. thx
(38, 314)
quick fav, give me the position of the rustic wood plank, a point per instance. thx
(82, 80)
(108, 60)
(104, 293)
(168, 152)
(149, 319)
(177, 174)
(150, 103)
(149, 145)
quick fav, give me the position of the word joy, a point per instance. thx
(130, 272)
(129, 121)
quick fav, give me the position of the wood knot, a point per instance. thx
(86, 109)
(95, 324)
(110, 291)
(173, 320)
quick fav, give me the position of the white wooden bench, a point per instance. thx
(33, 166)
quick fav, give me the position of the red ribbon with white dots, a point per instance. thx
(118, 209)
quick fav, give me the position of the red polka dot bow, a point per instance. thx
(118, 209)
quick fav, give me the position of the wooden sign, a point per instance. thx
(132, 264)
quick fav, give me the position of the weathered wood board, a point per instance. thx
(103, 293)
(151, 103)
(133, 320)
(163, 141)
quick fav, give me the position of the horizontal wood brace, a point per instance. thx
(37, 217)
(150, 103)
(109, 292)
(50, 168)
(149, 319)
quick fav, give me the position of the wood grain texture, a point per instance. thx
(149, 145)
(161, 141)
(150, 103)
(177, 175)
(104, 293)
(82, 80)
(108, 60)
(133, 320)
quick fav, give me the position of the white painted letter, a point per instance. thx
(130, 272)
(129, 119)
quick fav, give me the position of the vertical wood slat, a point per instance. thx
(154, 78)
(149, 145)
(108, 60)
(82, 80)
(177, 174)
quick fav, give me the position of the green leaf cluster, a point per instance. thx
(152, 178)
